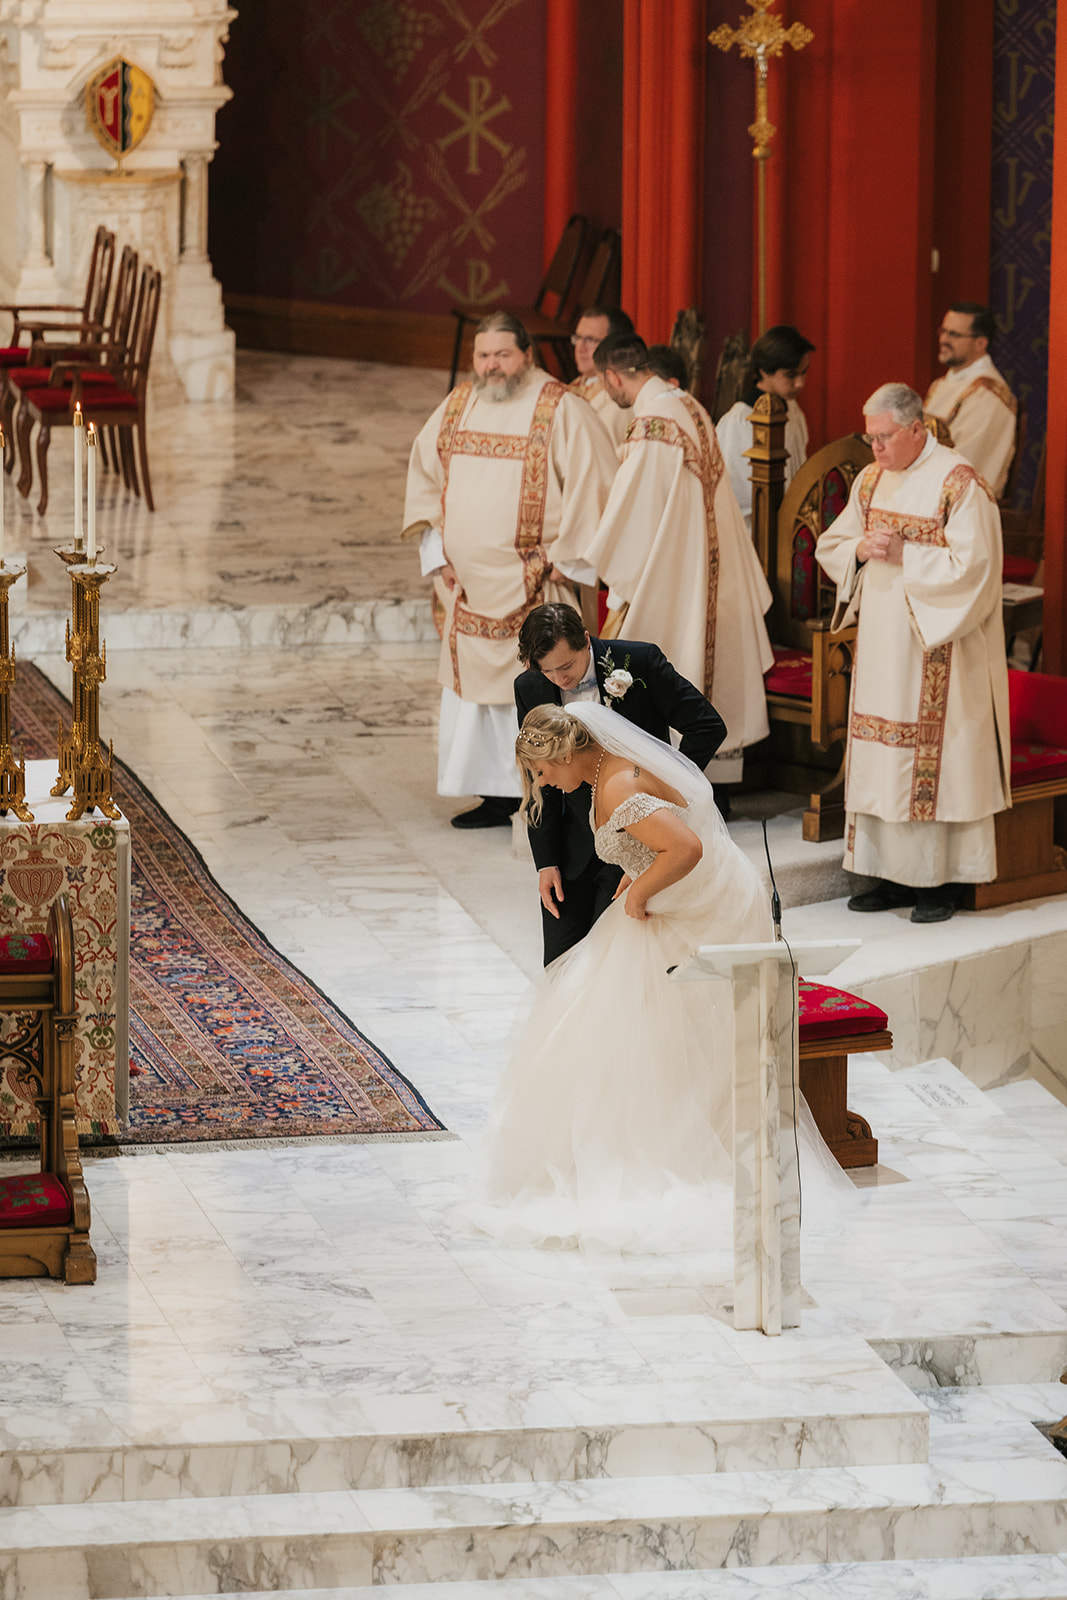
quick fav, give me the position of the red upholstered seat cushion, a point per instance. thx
(1037, 704)
(1036, 763)
(33, 1200)
(108, 397)
(25, 952)
(827, 1013)
(105, 397)
(38, 377)
(1018, 569)
(13, 355)
(791, 673)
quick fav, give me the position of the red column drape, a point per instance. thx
(561, 119)
(1055, 637)
(662, 217)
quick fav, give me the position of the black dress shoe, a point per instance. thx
(495, 811)
(937, 905)
(888, 896)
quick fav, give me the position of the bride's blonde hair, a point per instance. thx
(548, 733)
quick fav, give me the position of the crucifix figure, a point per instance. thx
(760, 37)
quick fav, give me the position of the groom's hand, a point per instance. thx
(549, 884)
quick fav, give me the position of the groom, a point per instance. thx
(566, 665)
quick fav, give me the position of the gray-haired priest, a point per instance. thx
(505, 481)
(916, 556)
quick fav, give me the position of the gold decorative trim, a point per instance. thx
(883, 730)
(933, 706)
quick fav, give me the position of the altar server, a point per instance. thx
(972, 397)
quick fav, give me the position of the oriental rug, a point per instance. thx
(228, 1040)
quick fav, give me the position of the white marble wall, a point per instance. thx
(57, 184)
(987, 991)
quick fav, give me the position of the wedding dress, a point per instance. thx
(611, 1127)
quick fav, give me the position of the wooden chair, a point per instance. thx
(689, 337)
(1030, 861)
(808, 686)
(598, 287)
(834, 1025)
(78, 320)
(92, 355)
(45, 1216)
(557, 282)
(730, 373)
(118, 403)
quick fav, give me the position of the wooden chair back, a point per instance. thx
(559, 277)
(98, 280)
(803, 595)
(1012, 480)
(689, 337)
(142, 334)
(117, 333)
(730, 373)
(601, 275)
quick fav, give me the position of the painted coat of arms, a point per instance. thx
(119, 101)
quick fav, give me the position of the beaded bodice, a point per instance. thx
(614, 844)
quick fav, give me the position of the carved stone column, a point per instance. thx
(48, 52)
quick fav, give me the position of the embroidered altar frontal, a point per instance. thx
(90, 860)
(227, 1039)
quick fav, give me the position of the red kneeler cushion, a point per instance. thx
(791, 673)
(827, 1013)
(25, 952)
(33, 1200)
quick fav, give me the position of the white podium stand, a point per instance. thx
(766, 1181)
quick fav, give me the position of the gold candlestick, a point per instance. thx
(72, 555)
(90, 774)
(12, 772)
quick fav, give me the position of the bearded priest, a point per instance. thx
(916, 556)
(504, 482)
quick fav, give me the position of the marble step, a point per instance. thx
(412, 1441)
(1020, 1577)
(545, 1530)
(247, 627)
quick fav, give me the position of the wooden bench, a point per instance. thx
(44, 1216)
(833, 1025)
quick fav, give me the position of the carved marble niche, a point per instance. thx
(57, 184)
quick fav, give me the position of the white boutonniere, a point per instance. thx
(618, 681)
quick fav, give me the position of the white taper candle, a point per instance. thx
(79, 475)
(90, 550)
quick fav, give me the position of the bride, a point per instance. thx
(611, 1127)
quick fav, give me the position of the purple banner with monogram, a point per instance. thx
(1024, 47)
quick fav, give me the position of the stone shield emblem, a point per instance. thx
(119, 101)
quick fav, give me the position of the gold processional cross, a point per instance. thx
(760, 37)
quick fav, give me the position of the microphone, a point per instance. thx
(776, 899)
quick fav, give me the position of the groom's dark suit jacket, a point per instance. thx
(658, 700)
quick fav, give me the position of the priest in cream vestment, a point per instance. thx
(594, 326)
(916, 556)
(673, 548)
(504, 482)
(971, 396)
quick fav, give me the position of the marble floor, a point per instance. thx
(299, 1371)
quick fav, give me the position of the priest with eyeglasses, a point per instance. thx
(916, 556)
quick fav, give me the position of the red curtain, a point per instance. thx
(662, 209)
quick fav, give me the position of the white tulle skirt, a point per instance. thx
(612, 1124)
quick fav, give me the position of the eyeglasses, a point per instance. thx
(951, 333)
(584, 338)
(880, 440)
